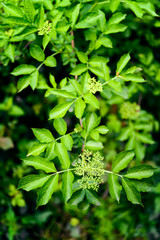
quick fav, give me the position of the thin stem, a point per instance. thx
(66, 170)
(110, 172)
(64, 135)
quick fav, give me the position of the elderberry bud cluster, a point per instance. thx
(94, 86)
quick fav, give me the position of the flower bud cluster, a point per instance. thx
(94, 86)
(90, 167)
(129, 110)
(45, 29)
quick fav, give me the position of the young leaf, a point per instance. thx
(40, 163)
(23, 69)
(116, 18)
(114, 187)
(91, 99)
(52, 81)
(133, 78)
(115, 85)
(122, 63)
(93, 145)
(90, 121)
(67, 181)
(29, 10)
(23, 82)
(115, 28)
(145, 138)
(92, 198)
(94, 134)
(60, 93)
(77, 197)
(33, 79)
(60, 110)
(135, 8)
(50, 61)
(37, 53)
(79, 69)
(102, 129)
(132, 193)
(140, 171)
(62, 154)
(114, 5)
(50, 151)
(79, 107)
(41, 17)
(45, 193)
(60, 125)
(74, 15)
(122, 160)
(36, 149)
(33, 181)
(82, 57)
(67, 141)
(43, 135)
(12, 10)
(76, 86)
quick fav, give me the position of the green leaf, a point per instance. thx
(16, 20)
(60, 125)
(50, 61)
(114, 5)
(29, 10)
(92, 198)
(23, 82)
(102, 20)
(26, 32)
(91, 99)
(10, 52)
(60, 110)
(93, 145)
(37, 53)
(106, 42)
(79, 108)
(46, 40)
(60, 93)
(52, 81)
(135, 8)
(102, 129)
(43, 135)
(122, 160)
(145, 138)
(90, 121)
(77, 197)
(33, 79)
(74, 15)
(50, 151)
(23, 69)
(122, 63)
(12, 10)
(67, 182)
(115, 28)
(79, 69)
(132, 193)
(145, 185)
(115, 85)
(94, 134)
(148, 7)
(114, 187)
(33, 181)
(140, 171)
(116, 18)
(82, 57)
(36, 149)
(45, 193)
(76, 86)
(67, 141)
(41, 17)
(40, 163)
(62, 154)
(133, 78)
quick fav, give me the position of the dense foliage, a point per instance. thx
(93, 66)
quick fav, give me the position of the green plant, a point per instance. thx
(51, 32)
